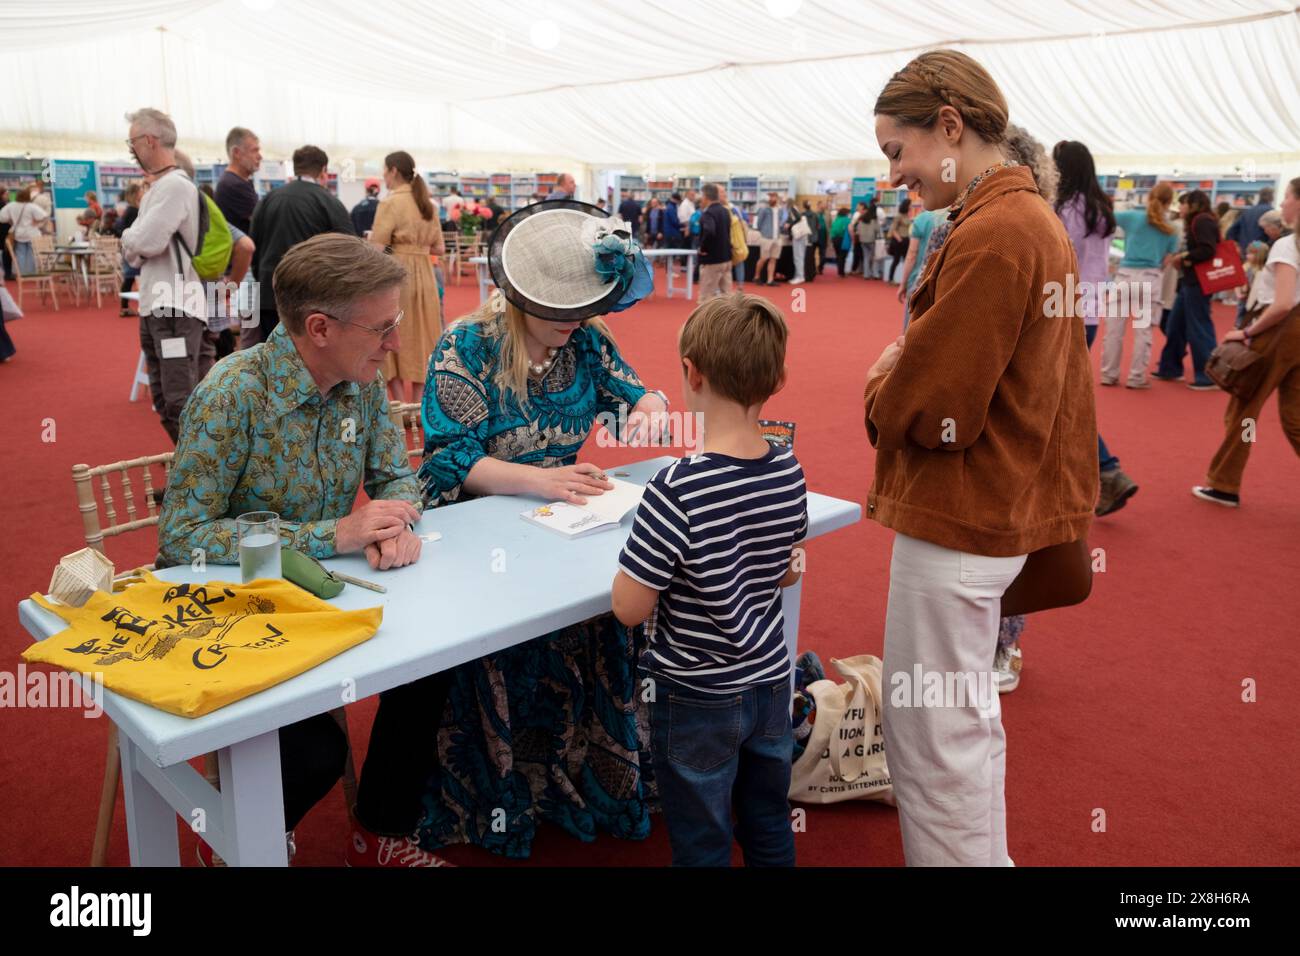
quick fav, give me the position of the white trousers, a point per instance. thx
(947, 757)
(1139, 291)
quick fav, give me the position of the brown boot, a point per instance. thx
(1116, 489)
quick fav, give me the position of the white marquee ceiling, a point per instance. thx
(612, 81)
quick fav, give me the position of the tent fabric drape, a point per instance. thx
(663, 80)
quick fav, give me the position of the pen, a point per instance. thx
(360, 582)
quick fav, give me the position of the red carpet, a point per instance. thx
(1130, 704)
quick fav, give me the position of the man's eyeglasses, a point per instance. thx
(383, 332)
(130, 143)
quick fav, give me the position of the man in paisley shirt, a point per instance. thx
(297, 425)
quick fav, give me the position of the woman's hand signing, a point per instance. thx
(571, 483)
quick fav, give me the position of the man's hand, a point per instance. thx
(888, 358)
(373, 522)
(395, 552)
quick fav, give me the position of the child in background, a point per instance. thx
(1256, 259)
(714, 542)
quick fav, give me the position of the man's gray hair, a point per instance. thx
(1271, 218)
(154, 122)
(237, 137)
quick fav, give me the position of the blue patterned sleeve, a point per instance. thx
(388, 466)
(616, 382)
(458, 397)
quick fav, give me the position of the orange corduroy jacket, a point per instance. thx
(985, 429)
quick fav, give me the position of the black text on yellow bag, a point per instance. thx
(189, 649)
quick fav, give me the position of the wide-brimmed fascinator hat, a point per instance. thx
(565, 261)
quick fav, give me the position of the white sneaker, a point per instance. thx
(1007, 663)
(796, 281)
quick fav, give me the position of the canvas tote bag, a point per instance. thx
(845, 756)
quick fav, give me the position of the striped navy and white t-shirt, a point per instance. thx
(714, 534)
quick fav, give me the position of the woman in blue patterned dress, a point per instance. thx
(546, 729)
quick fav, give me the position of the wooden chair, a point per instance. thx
(43, 281)
(64, 272)
(105, 269)
(468, 246)
(406, 415)
(83, 477)
(451, 255)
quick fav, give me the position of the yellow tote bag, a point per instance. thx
(189, 649)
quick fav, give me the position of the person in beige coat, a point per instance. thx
(406, 223)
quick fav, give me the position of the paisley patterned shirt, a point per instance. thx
(257, 435)
(467, 418)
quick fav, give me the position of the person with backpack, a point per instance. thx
(162, 243)
(715, 244)
(221, 262)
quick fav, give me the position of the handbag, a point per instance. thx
(1222, 271)
(800, 230)
(1056, 576)
(1238, 368)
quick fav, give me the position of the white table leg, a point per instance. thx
(790, 599)
(150, 820)
(482, 271)
(252, 802)
(690, 276)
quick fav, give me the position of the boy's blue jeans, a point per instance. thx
(713, 752)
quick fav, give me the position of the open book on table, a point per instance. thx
(600, 513)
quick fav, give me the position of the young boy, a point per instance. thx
(713, 544)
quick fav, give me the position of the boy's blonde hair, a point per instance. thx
(738, 343)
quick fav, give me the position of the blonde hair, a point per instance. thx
(737, 342)
(938, 78)
(509, 329)
(1158, 200)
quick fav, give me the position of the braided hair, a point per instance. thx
(938, 78)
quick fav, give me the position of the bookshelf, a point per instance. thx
(501, 189)
(660, 189)
(440, 184)
(113, 180)
(746, 192)
(522, 187)
(18, 172)
(546, 182)
(888, 200)
(476, 186)
(636, 187)
(684, 183)
(1132, 188)
(742, 192)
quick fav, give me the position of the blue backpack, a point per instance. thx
(695, 223)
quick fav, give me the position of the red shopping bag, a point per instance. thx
(1223, 271)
